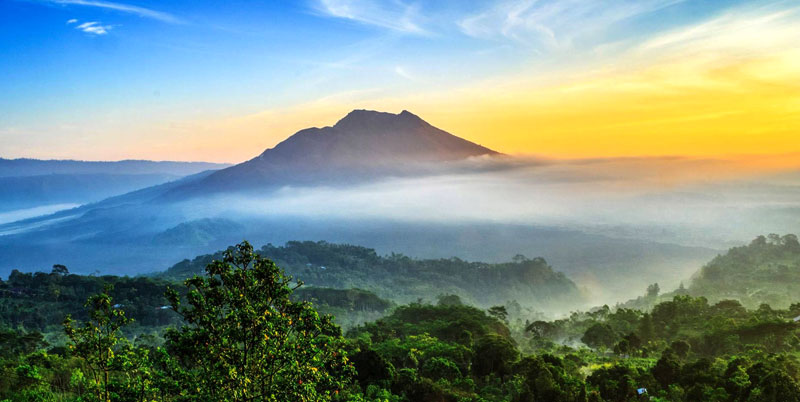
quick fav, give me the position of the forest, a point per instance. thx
(243, 329)
(530, 281)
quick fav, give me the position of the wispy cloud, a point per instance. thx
(121, 7)
(553, 24)
(731, 33)
(94, 28)
(71, 21)
(401, 71)
(394, 15)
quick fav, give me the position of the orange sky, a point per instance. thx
(728, 86)
(741, 108)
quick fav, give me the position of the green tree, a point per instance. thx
(246, 340)
(372, 368)
(616, 383)
(681, 348)
(494, 354)
(449, 300)
(599, 335)
(645, 328)
(776, 386)
(499, 312)
(545, 379)
(60, 269)
(439, 367)
(97, 340)
(541, 329)
(623, 347)
(653, 290)
(667, 369)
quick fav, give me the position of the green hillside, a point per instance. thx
(40, 301)
(239, 333)
(765, 271)
(531, 282)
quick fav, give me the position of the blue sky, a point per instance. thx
(83, 77)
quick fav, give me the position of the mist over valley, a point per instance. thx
(395, 183)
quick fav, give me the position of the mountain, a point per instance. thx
(37, 167)
(149, 229)
(33, 183)
(25, 192)
(364, 144)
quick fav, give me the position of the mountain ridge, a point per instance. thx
(37, 167)
(31, 183)
(363, 145)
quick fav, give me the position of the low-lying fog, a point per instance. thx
(710, 203)
(25, 213)
(612, 225)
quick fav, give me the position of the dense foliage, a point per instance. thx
(40, 301)
(244, 332)
(403, 279)
(765, 271)
(683, 350)
(241, 338)
(246, 340)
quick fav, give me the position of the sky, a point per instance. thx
(222, 81)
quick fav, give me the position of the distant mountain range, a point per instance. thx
(37, 167)
(31, 183)
(363, 145)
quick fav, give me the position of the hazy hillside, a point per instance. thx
(31, 183)
(130, 239)
(765, 271)
(531, 282)
(21, 192)
(37, 167)
(40, 301)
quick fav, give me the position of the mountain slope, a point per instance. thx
(364, 144)
(66, 217)
(23, 192)
(31, 183)
(765, 271)
(36, 167)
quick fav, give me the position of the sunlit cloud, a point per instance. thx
(731, 34)
(94, 28)
(72, 21)
(396, 16)
(122, 7)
